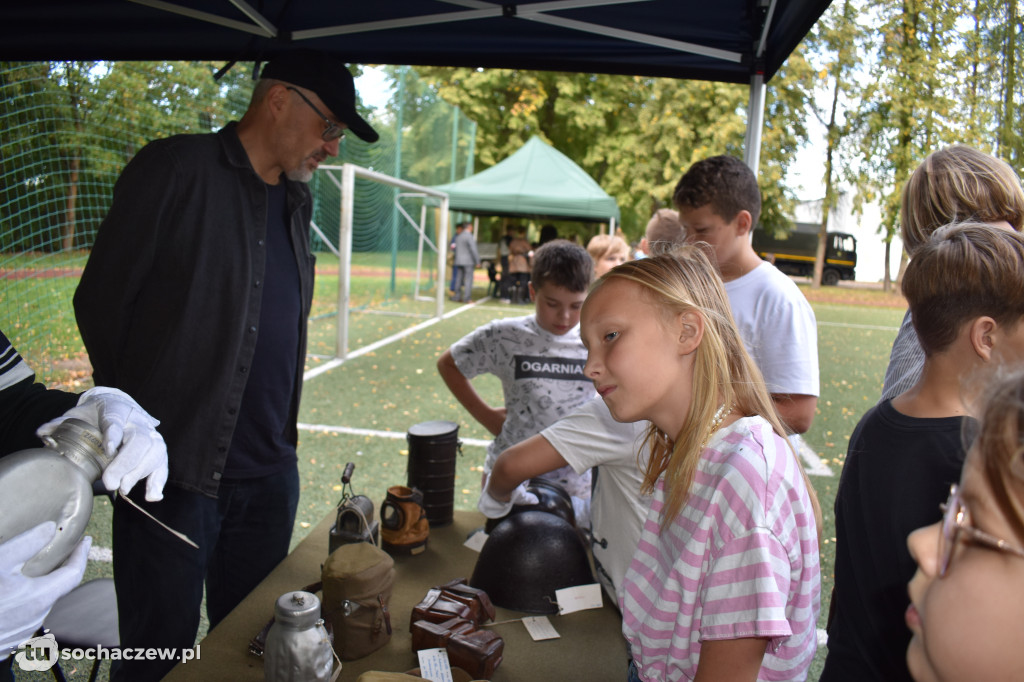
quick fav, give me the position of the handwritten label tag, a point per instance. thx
(476, 541)
(572, 599)
(434, 665)
(540, 628)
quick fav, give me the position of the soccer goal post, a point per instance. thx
(349, 173)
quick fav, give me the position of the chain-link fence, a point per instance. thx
(67, 129)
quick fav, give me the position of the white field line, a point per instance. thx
(814, 465)
(858, 326)
(102, 554)
(348, 430)
(317, 371)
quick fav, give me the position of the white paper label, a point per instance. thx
(540, 628)
(572, 599)
(476, 541)
(434, 665)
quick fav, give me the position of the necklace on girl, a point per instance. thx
(716, 421)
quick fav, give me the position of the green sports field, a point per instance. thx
(360, 410)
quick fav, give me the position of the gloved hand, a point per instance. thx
(581, 510)
(495, 509)
(129, 437)
(24, 601)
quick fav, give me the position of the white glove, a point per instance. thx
(494, 509)
(581, 510)
(24, 601)
(129, 437)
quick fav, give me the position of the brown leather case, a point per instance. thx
(476, 598)
(427, 635)
(478, 652)
(438, 608)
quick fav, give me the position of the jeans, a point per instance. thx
(633, 675)
(242, 535)
(518, 287)
(463, 279)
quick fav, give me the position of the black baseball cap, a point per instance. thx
(328, 78)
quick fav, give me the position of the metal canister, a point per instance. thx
(432, 449)
(298, 647)
(52, 483)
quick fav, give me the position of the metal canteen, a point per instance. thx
(298, 647)
(54, 483)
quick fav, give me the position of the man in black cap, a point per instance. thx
(195, 300)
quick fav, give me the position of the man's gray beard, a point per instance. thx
(301, 174)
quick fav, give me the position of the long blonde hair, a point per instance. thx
(723, 372)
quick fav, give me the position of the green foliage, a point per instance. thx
(835, 42)
(634, 135)
(910, 77)
(70, 127)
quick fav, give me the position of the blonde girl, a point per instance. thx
(967, 597)
(607, 251)
(725, 582)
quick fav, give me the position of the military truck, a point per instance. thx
(794, 254)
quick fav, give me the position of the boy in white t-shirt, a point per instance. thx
(719, 203)
(538, 358)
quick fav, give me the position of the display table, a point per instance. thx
(590, 648)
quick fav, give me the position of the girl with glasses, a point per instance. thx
(967, 597)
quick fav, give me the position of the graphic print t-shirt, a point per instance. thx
(541, 374)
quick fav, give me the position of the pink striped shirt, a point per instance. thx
(740, 560)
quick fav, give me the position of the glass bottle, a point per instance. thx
(52, 483)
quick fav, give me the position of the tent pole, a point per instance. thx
(755, 121)
(442, 256)
(348, 186)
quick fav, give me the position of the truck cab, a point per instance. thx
(794, 253)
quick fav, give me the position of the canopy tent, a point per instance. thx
(728, 40)
(536, 181)
(739, 41)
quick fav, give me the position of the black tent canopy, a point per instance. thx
(738, 41)
(726, 40)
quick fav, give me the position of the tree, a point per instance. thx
(834, 39)
(83, 121)
(904, 110)
(633, 135)
(988, 101)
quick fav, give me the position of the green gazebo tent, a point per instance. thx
(536, 181)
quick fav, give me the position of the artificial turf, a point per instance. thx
(396, 386)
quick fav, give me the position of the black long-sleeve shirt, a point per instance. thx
(169, 302)
(24, 404)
